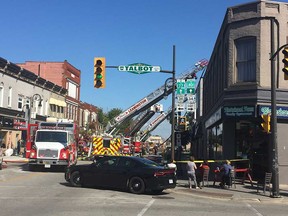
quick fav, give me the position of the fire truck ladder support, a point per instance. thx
(151, 99)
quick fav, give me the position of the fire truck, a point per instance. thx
(141, 111)
(106, 145)
(51, 144)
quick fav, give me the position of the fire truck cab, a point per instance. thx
(52, 144)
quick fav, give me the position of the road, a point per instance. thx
(45, 192)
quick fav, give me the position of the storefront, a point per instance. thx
(235, 132)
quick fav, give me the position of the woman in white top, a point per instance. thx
(191, 168)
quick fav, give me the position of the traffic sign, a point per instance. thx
(180, 107)
(190, 85)
(139, 68)
(180, 86)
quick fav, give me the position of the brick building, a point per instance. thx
(63, 74)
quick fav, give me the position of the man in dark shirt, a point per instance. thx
(226, 168)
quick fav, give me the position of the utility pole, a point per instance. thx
(274, 142)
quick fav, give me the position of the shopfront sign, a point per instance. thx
(214, 118)
(238, 111)
(282, 112)
(6, 122)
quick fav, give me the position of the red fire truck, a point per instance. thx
(51, 144)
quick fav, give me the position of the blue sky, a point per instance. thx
(123, 31)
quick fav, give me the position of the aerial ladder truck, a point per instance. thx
(111, 143)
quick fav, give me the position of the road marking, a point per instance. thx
(253, 209)
(146, 207)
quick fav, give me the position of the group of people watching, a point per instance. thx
(195, 174)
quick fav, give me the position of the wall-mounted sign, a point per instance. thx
(139, 68)
(238, 111)
(282, 112)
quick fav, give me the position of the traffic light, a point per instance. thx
(285, 61)
(99, 72)
(182, 123)
(266, 123)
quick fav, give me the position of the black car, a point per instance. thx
(135, 174)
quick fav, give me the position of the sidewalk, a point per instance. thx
(242, 192)
(14, 159)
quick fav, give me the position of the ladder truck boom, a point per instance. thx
(154, 123)
(151, 99)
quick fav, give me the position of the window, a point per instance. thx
(1, 94)
(72, 90)
(10, 97)
(246, 59)
(20, 103)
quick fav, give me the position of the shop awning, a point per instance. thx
(57, 102)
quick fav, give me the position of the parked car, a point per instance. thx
(135, 174)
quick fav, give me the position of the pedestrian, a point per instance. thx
(18, 147)
(225, 170)
(191, 168)
(203, 166)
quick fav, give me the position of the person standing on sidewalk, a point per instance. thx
(191, 168)
(226, 169)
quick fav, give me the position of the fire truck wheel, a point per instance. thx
(136, 185)
(75, 179)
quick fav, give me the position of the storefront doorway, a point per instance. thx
(252, 143)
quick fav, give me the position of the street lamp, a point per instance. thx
(35, 97)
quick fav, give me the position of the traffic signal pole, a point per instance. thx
(274, 143)
(173, 104)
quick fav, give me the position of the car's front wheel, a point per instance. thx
(75, 179)
(136, 185)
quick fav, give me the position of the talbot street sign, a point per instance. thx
(139, 68)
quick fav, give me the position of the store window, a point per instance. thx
(215, 142)
(245, 59)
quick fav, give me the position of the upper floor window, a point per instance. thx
(245, 59)
(9, 97)
(72, 90)
(1, 94)
(20, 103)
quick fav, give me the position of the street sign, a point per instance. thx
(180, 107)
(180, 98)
(190, 107)
(139, 68)
(180, 86)
(190, 85)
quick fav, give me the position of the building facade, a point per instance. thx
(25, 98)
(236, 88)
(88, 119)
(65, 75)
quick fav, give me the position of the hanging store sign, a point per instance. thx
(139, 68)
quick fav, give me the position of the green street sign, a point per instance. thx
(180, 86)
(190, 85)
(180, 91)
(190, 90)
(139, 68)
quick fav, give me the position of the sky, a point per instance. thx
(122, 31)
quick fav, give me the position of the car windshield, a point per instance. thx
(51, 136)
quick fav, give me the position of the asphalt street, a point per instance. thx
(239, 192)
